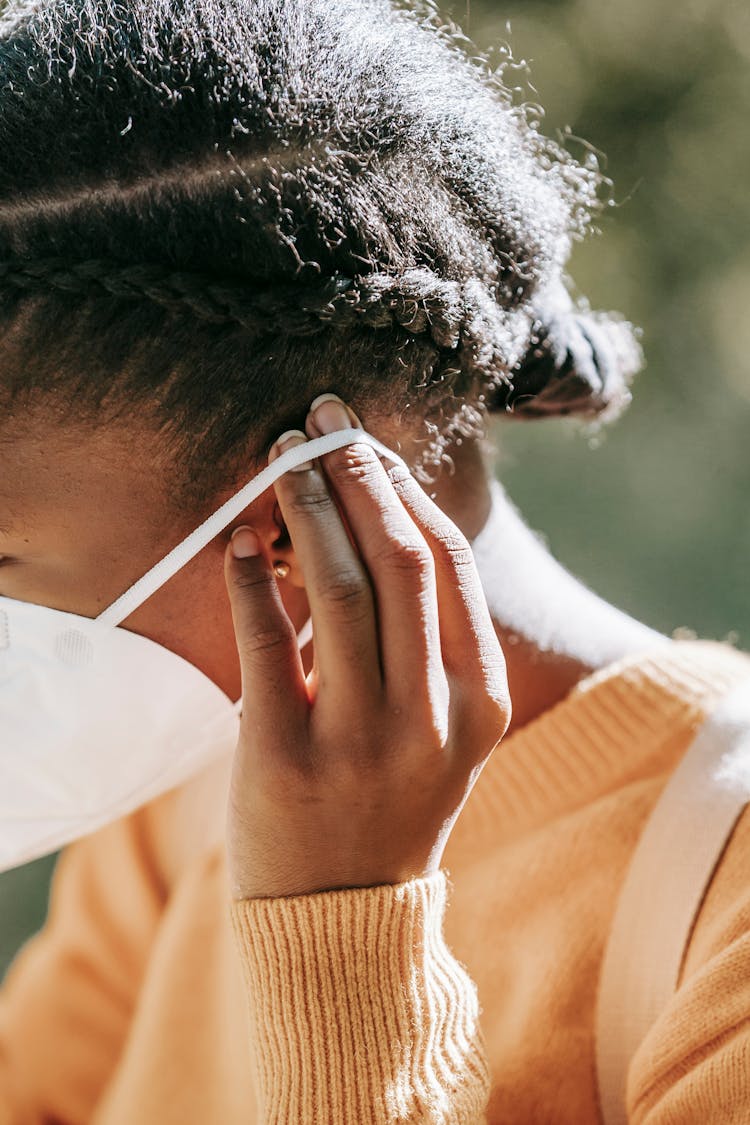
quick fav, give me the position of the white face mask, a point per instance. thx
(95, 720)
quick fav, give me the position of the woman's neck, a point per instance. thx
(554, 631)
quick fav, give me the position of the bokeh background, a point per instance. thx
(653, 513)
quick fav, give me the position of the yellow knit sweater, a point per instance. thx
(150, 999)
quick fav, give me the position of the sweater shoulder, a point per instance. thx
(622, 727)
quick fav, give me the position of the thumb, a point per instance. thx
(273, 685)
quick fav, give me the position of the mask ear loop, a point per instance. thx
(174, 561)
(305, 634)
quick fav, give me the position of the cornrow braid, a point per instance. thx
(577, 362)
(417, 300)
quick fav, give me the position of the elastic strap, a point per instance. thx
(669, 874)
(167, 567)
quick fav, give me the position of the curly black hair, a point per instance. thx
(213, 210)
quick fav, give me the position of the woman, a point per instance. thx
(230, 225)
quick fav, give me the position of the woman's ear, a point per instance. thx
(264, 516)
(281, 553)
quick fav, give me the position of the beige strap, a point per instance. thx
(669, 873)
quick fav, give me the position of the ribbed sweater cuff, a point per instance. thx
(359, 1011)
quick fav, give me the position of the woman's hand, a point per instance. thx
(355, 776)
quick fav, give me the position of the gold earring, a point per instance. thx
(281, 569)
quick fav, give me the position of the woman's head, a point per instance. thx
(210, 212)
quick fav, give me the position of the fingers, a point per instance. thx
(336, 581)
(273, 682)
(469, 646)
(471, 650)
(396, 555)
(472, 655)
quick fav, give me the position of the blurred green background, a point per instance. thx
(653, 513)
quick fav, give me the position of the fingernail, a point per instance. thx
(288, 440)
(328, 413)
(245, 543)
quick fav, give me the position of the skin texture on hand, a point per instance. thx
(355, 774)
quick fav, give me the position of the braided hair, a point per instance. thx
(217, 209)
(417, 301)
